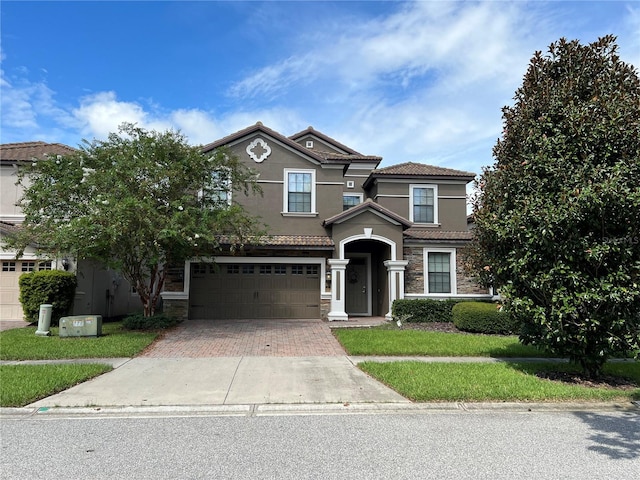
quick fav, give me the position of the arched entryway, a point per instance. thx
(367, 277)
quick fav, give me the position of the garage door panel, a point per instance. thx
(254, 291)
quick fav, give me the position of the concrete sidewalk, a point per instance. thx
(226, 381)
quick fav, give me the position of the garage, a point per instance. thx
(10, 306)
(254, 290)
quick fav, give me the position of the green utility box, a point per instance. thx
(81, 326)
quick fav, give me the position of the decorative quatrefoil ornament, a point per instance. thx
(258, 150)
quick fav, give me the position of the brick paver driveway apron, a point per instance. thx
(239, 338)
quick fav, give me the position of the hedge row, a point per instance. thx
(424, 310)
(155, 322)
(480, 317)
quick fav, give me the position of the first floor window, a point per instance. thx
(439, 272)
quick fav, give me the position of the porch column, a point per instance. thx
(338, 268)
(395, 270)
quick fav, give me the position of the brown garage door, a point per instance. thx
(229, 291)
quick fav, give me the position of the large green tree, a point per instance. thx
(137, 202)
(558, 214)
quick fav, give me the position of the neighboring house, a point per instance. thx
(100, 291)
(346, 238)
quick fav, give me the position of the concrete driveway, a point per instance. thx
(233, 363)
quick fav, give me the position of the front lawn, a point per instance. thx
(384, 341)
(458, 382)
(24, 384)
(24, 344)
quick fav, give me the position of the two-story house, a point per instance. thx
(346, 238)
(100, 291)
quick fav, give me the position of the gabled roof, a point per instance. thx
(331, 141)
(28, 151)
(9, 228)
(367, 205)
(409, 170)
(321, 157)
(260, 128)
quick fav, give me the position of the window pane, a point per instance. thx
(299, 185)
(28, 266)
(265, 269)
(349, 201)
(439, 272)
(423, 205)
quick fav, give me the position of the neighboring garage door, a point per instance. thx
(10, 306)
(230, 291)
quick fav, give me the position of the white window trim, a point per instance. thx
(452, 270)
(435, 201)
(285, 193)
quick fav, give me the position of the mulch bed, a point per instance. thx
(604, 381)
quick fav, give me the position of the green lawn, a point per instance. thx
(24, 344)
(23, 384)
(384, 341)
(451, 382)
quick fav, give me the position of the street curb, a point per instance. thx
(254, 410)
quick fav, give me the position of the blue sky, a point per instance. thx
(409, 81)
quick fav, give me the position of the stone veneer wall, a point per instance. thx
(467, 285)
(176, 308)
(174, 281)
(414, 273)
(325, 308)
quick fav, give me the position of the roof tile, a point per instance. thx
(27, 151)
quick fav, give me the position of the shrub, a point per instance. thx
(53, 287)
(481, 317)
(424, 310)
(155, 322)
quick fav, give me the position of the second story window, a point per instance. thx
(300, 195)
(350, 200)
(218, 192)
(424, 204)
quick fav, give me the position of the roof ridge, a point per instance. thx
(327, 138)
(259, 126)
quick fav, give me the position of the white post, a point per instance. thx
(44, 320)
(395, 270)
(338, 268)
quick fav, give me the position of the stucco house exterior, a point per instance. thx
(100, 291)
(346, 238)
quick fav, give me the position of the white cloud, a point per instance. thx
(101, 113)
(425, 82)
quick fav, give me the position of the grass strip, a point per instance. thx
(23, 384)
(382, 341)
(24, 344)
(458, 382)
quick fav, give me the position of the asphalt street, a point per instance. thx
(428, 445)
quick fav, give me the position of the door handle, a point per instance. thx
(364, 289)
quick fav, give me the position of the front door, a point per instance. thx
(358, 285)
